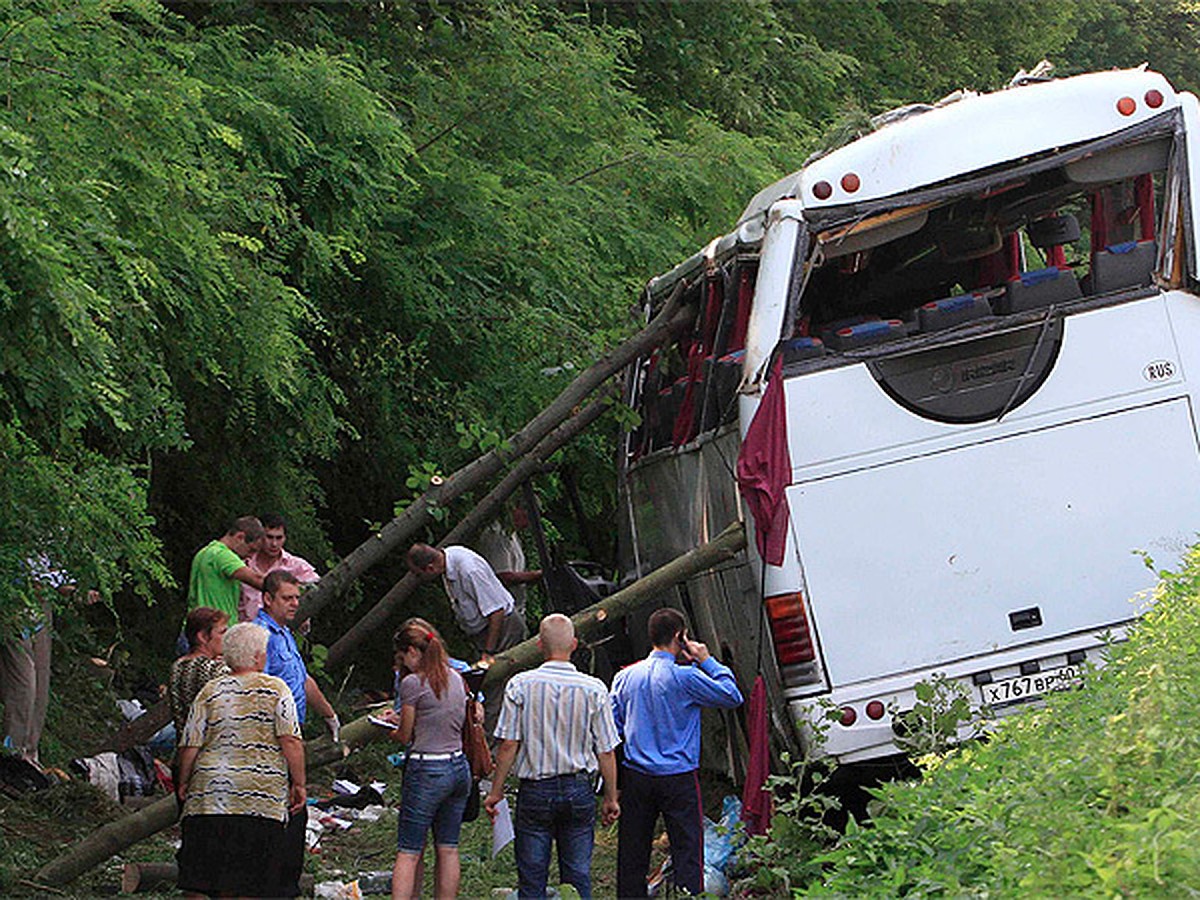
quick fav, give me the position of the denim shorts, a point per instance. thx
(435, 793)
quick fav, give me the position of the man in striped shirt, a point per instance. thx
(556, 726)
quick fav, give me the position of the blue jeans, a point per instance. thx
(562, 810)
(435, 793)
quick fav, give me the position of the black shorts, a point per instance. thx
(230, 855)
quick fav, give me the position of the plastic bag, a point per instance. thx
(719, 837)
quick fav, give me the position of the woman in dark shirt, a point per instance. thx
(437, 780)
(205, 629)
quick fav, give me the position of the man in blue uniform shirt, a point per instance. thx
(656, 706)
(281, 599)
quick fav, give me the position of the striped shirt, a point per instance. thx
(236, 721)
(562, 718)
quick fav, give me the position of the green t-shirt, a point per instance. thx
(212, 582)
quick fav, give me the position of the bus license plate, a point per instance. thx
(1024, 687)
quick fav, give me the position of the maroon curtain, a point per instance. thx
(1099, 222)
(737, 339)
(685, 420)
(1143, 187)
(764, 470)
(756, 799)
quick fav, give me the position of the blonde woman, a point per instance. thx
(241, 771)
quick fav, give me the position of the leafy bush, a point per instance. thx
(1096, 794)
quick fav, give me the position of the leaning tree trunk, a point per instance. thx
(110, 839)
(673, 318)
(484, 510)
(591, 622)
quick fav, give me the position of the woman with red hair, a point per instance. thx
(437, 779)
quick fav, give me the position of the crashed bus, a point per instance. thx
(982, 318)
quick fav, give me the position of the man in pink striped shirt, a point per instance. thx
(267, 556)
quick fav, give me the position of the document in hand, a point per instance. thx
(502, 828)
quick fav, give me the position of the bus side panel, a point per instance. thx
(922, 561)
(840, 416)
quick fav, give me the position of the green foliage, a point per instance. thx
(1094, 795)
(938, 719)
(801, 808)
(270, 256)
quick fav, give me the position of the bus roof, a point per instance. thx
(974, 133)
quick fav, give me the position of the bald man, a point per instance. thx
(556, 731)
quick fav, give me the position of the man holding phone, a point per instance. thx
(656, 706)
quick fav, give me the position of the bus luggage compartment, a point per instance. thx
(1051, 520)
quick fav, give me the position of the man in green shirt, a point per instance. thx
(219, 568)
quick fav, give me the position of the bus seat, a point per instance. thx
(727, 375)
(1124, 265)
(665, 410)
(865, 334)
(1038, 288)
(826, 331)
(951, 311)
(802, 348)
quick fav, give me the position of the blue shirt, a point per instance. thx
(284, 660)
(656, 706)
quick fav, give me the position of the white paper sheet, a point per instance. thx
(502, 828)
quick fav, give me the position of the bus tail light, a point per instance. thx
(793, 639)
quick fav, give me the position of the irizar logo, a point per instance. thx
(1159, 370)
(990, 369)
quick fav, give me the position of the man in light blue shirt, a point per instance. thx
(656, 706)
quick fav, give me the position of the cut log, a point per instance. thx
(150, 876)
(591, 622)
(138, 878)
(674, 318)
(485, 510)
(110, 839)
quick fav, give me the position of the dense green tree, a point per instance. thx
(302, 256)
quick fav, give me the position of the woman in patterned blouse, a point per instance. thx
(205, 628)
(241, 771)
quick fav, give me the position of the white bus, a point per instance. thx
(989, 324)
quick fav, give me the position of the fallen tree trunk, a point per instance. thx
(110, 839)
(483, 512)
(139, 878)
(591, 622)
(674, 318)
